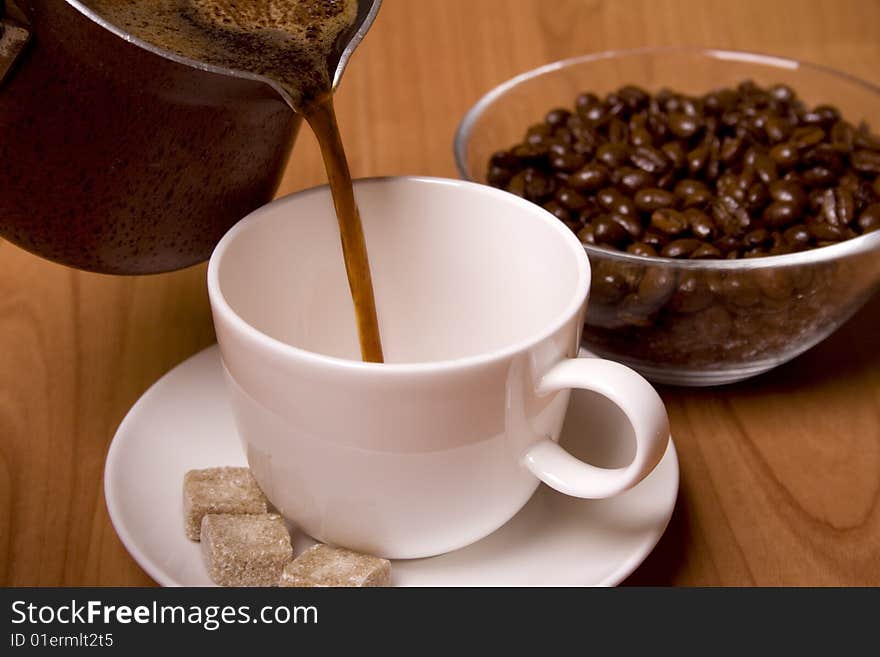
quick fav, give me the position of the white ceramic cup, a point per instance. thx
(480, 297)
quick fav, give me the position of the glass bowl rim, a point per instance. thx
(853, 246)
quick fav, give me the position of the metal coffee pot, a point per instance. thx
(119, 157)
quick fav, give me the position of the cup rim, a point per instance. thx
(860, 244)
(578, 299)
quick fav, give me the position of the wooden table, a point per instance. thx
(780, 475)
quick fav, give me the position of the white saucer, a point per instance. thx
(183, 422)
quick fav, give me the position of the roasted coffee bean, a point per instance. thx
(504, 160)
(571, 199)
(843, 136)
(590, 211)
(563, 135)
(792, 177)
(586, 234)
(568, 161)
(558, 147)
(641, 249)
(784, 155)
(705, 252)
(728, 245)
(573, 225)
(558, 211)
(733, 185)
(797, 237)
(586, 99)
(612, 155)
(623, 205)
(713, 325)
(538, 133)
(634, 96)
(656, 286)
(616, 105)
(824, 155)
(691, 295)
(557, 118)
(681, 248)
(757, 197)
(788, 192)
(869, 219)
(539, 185)
(866, 161)
(774, 283)
(517, 184)
(765, 168)
(697, 159)
(729, 216)
(657, 124)
(607, 287)
(731, 149)
(654, 239)
(782, 92)
(777, 128)
(561, 178)
(669, 222)
(629, 223)
(740, 290)
(641, 137)
(584, 147)
(757, 239)
(531, 154)
(589, 178)
(713, 166)
(864, 194)
(818, 177)
(667, 180)
(805, 137)
(649, 159)
(653, 198)
(607, 196)
(700, 224)
(593, 114)
(688, 187)
(498, 177)
(824, 115)
(618, 132)
(844, 205)
(609, 232)
(675, 153)
(780, 214)
(631, 180)
(824, 231)
(683, 125)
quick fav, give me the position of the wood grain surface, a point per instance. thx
(780, 475)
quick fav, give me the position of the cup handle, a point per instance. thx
(640, 404)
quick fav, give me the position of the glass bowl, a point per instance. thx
(693, 322)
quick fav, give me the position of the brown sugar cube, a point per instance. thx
(219, 490)
(324, 565)
(245, 550)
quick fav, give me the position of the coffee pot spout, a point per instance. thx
(366, 14)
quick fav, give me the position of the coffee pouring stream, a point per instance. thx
(121, 157)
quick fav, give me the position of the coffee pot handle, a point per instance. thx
(14, 36)
(640, 404)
